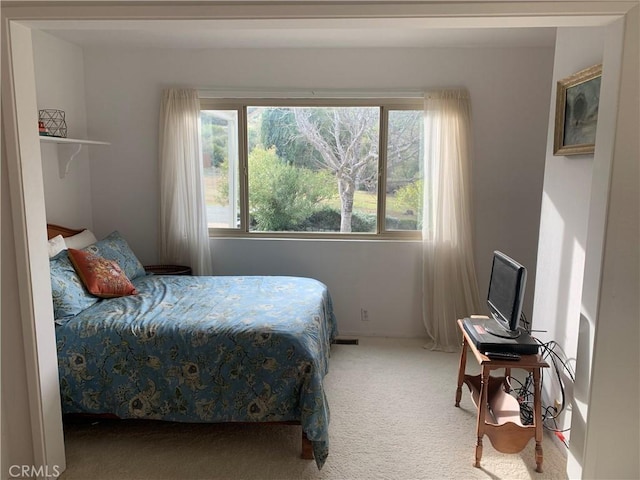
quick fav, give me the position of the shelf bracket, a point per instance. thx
(64, 163)
(66, 156)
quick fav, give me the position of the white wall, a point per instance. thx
(510, 92)
(378, 276)
(564, 217)
(60, 85)
(579, 244)
(614, 279)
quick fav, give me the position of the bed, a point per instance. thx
(194, 349)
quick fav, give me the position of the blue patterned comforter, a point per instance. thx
(204, 349)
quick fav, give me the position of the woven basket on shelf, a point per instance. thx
(53, 121)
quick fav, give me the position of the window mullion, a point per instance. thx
(244, 168)
(382, 168)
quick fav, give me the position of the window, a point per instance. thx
(221, 160)
(313, 167)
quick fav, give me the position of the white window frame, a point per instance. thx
(240, 106)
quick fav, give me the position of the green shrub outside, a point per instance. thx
(411, 195)
(327, 219)
(284, 197)
(281, 196)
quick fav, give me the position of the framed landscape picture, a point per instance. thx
(577, 112)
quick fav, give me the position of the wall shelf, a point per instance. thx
(66, 157)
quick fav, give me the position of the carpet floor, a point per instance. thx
(392, 417)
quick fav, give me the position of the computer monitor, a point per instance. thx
(506, 295)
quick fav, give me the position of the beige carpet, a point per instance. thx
(392, 417)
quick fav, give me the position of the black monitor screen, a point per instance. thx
(506, 290)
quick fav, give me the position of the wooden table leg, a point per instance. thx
(307, 448)
(461, 370)
(537, 417)
(507, 380)
(482, 410)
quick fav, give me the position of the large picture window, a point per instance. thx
(324, 168)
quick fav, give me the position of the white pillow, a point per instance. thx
(56, 245)
(80, 240)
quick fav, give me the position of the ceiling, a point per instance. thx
(288, 34)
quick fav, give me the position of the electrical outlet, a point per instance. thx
(364, 315)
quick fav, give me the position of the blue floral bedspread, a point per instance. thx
(204, 349)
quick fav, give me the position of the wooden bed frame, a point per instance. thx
(55, 230)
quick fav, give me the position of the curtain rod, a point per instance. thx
(307, 93)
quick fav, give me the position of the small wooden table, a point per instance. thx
(168, 269)
(498, 411)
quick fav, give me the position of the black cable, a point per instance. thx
(525, 323)
(559, 366)
(524, 391)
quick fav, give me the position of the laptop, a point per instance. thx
(484, 341)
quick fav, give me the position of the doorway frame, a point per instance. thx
(19, 113)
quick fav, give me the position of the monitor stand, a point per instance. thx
(494, 328)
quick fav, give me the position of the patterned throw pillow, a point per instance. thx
(103, 278)
(115, 247)
(69, 295)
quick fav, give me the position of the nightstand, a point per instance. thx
(168, 269)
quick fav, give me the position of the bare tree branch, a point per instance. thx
(343, 149)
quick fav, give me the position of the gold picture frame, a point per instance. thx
(577, 102)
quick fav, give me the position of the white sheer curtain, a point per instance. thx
(450, 288)
(184, 236)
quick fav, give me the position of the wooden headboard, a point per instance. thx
(55, 230)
